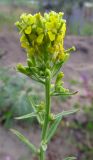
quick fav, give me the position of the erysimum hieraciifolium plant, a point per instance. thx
(43, 39)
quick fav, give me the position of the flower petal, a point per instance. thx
(51, 36)
(40, 38)
(28, 30)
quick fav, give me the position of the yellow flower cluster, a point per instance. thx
(43, 36)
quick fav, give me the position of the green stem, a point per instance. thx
(47, 112)
(42, 154)
(47, 89)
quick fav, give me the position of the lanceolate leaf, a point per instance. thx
(70, 158)
(53, 128)
(30, 115)
(34, 108)
(32, 103)
(24, 140)
(65, 113)
(63, 93)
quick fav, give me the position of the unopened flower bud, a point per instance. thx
(29, 62)
(48, 73)
(70, 49)
(21, 68)
(66, 57)
(59, 79)
(51, 117)
(60, 75)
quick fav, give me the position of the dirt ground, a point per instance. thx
(79, 64)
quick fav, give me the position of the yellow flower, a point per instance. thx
(23, 16)
(61, 56)
(24, 44)
(43, 36)
(39, 30)
(40, 38)
(63, 29)
(30, 51)
(51, 36)
(23, 38)
(49, 26)
(28, 30)
(31, 19)
(59, 38)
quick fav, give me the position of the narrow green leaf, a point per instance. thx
(53, 128)
(24, 140)
(30, 115)
(65, 113)
(63, 93)
(70, 158)
(34, 108)
(33, 105)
